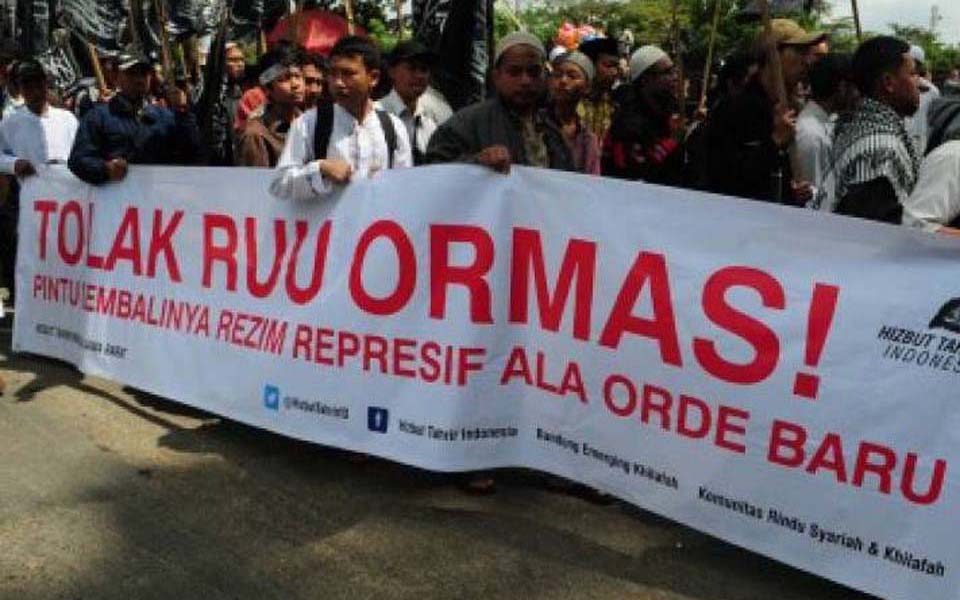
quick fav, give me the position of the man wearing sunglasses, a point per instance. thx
(513, 128)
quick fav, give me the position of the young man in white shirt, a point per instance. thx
(332, 145)
(811, 154)
(918, 123)
(37, 134)
(421, 108)
(934, 204)
(34, 135)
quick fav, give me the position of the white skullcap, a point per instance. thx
(918, 54)
(518, 38)
(581, 60)
(644, 58)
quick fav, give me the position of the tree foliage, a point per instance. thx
(940, 57)
(651, 22)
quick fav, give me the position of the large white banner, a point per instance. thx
(781, 379)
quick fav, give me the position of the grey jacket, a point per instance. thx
(490, 123)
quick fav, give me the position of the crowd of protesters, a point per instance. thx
(804, 127)
(867, 135)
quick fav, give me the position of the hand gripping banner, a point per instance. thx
(781, 379)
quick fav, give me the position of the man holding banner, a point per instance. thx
(511, 128)
(333, 144)
(128, 130)
(748, 135)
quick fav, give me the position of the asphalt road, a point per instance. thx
(107, 494)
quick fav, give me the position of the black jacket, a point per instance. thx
(150, 136)
(742, 158)
(641, 143)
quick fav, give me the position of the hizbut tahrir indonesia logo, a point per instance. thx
(937, 348)
(948, 317)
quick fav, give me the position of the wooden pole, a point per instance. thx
(166, 58)
(261, 43)
(351, 23)
(775, 69)
(775, 72)
(678, 62)
(711, 47)
(293, 31)
(97, 70)
(399, 5)
(856, 20)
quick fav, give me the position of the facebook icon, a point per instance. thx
(271, 397)
(378, 419)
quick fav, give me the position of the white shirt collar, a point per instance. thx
(345, 114)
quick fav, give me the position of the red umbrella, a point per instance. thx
(319, 30)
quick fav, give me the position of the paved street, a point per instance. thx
(107, 494)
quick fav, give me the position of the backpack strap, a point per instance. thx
(389, 134)
(323, 130)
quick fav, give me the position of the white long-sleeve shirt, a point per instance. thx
(811, 154)
(431, 112)
(935, 200)
(39, 139)
(362, 145)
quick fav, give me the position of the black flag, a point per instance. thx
(99, 22)
(780, 8)
(459, 31)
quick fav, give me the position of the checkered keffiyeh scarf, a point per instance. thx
(872, 143)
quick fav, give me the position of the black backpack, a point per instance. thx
(321, 135)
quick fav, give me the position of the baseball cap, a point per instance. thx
(786, 32)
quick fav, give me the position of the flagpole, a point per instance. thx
(856, 20)
(774, 70)
(399, 20)
(678, 62)
(295, 20)
(351, 24)
(97, 70)
(711, 46)
(165, 56)
(773, 55)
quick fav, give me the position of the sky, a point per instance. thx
(875, 15)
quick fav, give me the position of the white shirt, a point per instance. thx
(918, 125)
(935, 200)
(40, 139)
(362, 145)
(812, 150)
(11, 105)
(811, 155)
(431, 112)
